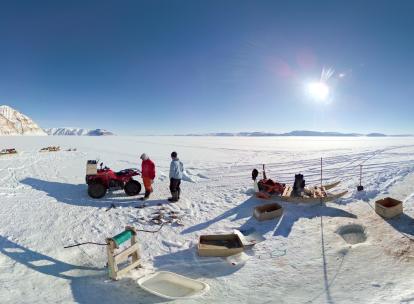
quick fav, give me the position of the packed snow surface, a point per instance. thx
(341, 252)
(13, 122)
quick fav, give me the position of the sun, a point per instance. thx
(318, 90)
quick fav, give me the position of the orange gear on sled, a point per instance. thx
(271, 187)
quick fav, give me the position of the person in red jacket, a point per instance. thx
(148, 175)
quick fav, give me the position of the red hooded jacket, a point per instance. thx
(148, 169)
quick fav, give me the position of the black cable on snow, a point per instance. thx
(85, 243)
(102, 244)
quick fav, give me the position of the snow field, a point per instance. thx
(303, 260)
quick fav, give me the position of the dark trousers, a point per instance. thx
(175, 188)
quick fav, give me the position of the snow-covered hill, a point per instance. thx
(13, 122)
(77, 132)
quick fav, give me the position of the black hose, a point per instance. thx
(80, 244)
(101, 244)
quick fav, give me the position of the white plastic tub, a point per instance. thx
(172, 286)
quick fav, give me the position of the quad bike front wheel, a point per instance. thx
(132, 188)
(96, 190)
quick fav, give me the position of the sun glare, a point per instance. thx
(318, 90)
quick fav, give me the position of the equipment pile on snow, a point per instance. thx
(50, 149)
(8, 151)
(163, 216)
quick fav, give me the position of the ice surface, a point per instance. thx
(44, 206)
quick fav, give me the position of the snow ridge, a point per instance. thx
(13, 122)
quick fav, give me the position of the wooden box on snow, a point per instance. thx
(219, 245)
(91, 167)
(388, 207)
(267, 211)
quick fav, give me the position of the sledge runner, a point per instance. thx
(148, 175)
(176, 174)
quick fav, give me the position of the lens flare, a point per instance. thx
(318, 90)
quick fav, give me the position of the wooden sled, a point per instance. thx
(50, 149)
(331, 186)
(311, 199)
(8, 151)
(312, 195)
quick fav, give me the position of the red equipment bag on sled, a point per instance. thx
(271, 187)
(266, 186)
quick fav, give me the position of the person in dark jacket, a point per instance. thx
(148, 175)
(176, 174)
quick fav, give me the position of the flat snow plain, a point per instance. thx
(45, 206)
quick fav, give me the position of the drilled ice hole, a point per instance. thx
(352, 233)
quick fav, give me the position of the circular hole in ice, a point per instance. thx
(352, 233)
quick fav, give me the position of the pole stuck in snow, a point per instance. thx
(360, 187)
(321, 172)
(321, 184)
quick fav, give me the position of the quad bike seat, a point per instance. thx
(122, 172)
(127, 171)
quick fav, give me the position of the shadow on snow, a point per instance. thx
(281, 226)
(404, 224)
(87, 283)
(77, 195)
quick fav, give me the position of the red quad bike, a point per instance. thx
(103, 179)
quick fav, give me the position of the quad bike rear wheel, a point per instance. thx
(132, 188)
(96, 190)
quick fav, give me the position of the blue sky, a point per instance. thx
(165, 67)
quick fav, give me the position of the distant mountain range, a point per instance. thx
(296, 133)
(12, 122)
(77, 132)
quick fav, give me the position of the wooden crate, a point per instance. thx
(268, 211)
(388, 207)
(219, 245)
(91, 167)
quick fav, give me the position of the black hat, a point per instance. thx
(174, 154)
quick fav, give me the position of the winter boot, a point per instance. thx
(146, 196)
(174, 197)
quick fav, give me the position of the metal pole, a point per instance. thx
(321, 172)
(360, 187)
